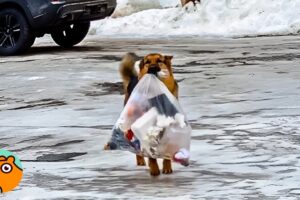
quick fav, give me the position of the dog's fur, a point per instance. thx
(130, 78)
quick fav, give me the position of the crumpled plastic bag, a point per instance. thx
(153, 124)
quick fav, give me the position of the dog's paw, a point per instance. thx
(141, 163)
(167, 171)
(154, 172)
(167, 167)
(106, 147)
(153, 167)
(110, 146)
(140, 160)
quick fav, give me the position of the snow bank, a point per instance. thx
(210, 18)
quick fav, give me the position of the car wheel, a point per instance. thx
(70, 35)
(15, 34)
(32, 41)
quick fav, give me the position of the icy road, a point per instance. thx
(242, 97)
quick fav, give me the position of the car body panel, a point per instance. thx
(45, 15)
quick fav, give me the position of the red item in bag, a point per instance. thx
(129, 135)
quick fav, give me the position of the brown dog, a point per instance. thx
(160, 66)
(184, 2)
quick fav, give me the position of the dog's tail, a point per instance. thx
(127, 71)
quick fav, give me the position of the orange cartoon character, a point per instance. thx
(10, 174)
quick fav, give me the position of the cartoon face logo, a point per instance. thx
(10, 173)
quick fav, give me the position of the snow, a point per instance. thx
(211, 18)
(243, 109)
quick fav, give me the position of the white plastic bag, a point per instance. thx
(153, 124)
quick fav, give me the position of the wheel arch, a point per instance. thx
(20, 6)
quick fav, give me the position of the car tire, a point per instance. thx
(70, 35)
(32, 41)
(16, 35)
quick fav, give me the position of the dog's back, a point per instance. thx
(128, 73)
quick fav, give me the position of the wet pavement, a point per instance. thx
(242, 97)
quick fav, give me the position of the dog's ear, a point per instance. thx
(142, 63)
(167, 61)
(169, 58)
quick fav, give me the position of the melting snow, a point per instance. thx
(225, 18)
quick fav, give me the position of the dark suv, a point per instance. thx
(68, 21)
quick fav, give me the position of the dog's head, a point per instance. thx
(156, 64)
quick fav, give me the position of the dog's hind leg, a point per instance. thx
(153, 166)
(140, 161)
(167, 167)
